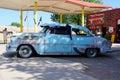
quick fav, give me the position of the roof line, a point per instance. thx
(88, 4)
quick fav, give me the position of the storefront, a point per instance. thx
(105, 24)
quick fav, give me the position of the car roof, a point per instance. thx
(57, 25)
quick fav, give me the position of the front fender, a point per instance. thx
(27, 45)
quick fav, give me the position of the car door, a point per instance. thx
(81, 41)
(58, 42)
(63, 45)
(50, 44)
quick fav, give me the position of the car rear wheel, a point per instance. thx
(91, 52)
(25, 51)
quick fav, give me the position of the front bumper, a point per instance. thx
(106, 46)
(11, 48)
(104, 50)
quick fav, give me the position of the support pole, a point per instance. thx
(21, 21)
(60, 18)
(113, 38)
(35, 16)
(83, 17)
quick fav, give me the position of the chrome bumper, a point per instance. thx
(10, 48)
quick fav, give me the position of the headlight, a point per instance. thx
(107, 43)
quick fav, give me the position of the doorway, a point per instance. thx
(103, 31)
(118, 33)
(118, 30)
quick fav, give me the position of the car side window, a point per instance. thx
(60, 31)
(82, 33)
(73, 33)
(78, 32)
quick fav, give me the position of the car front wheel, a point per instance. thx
(25, 51)
(91, 52)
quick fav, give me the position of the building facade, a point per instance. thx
(105, 24)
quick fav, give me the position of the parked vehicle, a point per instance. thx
(60, 39)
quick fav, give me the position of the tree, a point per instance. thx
(15, 24)
(95, 1)
(71, 18)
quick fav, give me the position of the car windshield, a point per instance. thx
(89, 32)
(44, 29)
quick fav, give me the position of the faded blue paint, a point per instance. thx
(57, 43)
(47, 43)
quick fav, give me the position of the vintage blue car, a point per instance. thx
(59, 39)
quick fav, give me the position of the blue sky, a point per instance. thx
(8, 16)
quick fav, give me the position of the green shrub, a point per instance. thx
(107, 36)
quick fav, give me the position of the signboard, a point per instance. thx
(95, 19)
(96, 16)
(111, 29)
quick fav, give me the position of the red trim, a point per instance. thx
(88, 4)
(51, 0)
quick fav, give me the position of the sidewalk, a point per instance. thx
(116, 47)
